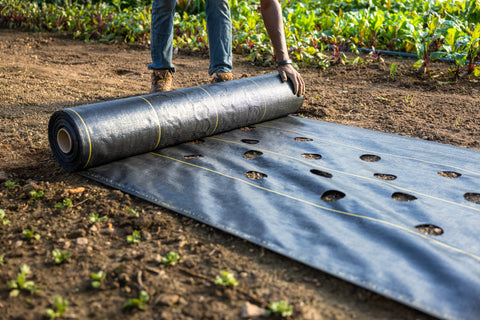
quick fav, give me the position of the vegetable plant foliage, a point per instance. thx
(430, 29)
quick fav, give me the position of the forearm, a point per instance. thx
(272, 17)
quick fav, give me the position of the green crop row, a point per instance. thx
(430, 29)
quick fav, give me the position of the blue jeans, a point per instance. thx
(219, 27)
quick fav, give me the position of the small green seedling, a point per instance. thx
(2, 261)
(227, 279)
(281, 308)
(393, 71)
(134, 237)
(66, 203)
(31, 234)
(59, 256)
(36, 194)
(171, 259)
(60, 306)
(21, 283)
(3, 217)
(134, 211)
(97, 278)
(94, 217)
(139, 303)
(11, 184)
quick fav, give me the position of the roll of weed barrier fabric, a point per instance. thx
(90, 135)
(396, 215)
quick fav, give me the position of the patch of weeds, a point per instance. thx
(227, 279)
(60, 257)
(139, 303)
(94, 217)
(171, 259)
(3, 217)
(281, 308)
(31, 234)
(21, 283)
(36, 194)
(134, 211)
(60, 306)
(66, 203)
(134, 237)
(11, 184)
(97, 278)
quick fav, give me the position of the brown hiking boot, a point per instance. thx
(221, 77)
(161, 80)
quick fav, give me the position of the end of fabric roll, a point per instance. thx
(64, 141)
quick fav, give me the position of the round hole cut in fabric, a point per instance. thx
(321, 173)
(400, 196)
(250, 141)
(450, 174)
(370, 157)
(385, 176)
(430, 229)
(332, 195)
(192, 156)
(472, 197)
(247, 128)
(312, 156)
(255, 175)
(252, 154)
(198, 141)
(303, 139)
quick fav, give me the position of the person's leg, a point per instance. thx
(161, 43)
(219, 27)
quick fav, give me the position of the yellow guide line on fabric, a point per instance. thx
(388, 154)
(324, 208)
(264, 102)
(88, 136)
(350, 174)
(159, 126)
(216, 111)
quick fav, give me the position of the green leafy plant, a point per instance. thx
(3, 217)
(134, 237)
(134, 211)
(97, 278)
(281, 308)
(139, 303)
(11, 184)
(171, 259)
(31, 234)
(36, 194)
(393, 71)
(21, 283)
(66, 203)
(226, 279)
(60, 257)
(60, 306)
(94, 217)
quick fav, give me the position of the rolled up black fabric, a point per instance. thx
(90, 135)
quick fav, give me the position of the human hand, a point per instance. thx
(287, 71)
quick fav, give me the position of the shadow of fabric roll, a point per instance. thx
(99, 133)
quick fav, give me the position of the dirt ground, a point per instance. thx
(41, 73)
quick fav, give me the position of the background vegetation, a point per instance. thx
(433, 29)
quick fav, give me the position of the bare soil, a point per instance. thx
(41, 73)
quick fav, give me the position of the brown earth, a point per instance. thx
(41, 73)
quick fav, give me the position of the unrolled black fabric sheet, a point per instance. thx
(396, 215)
